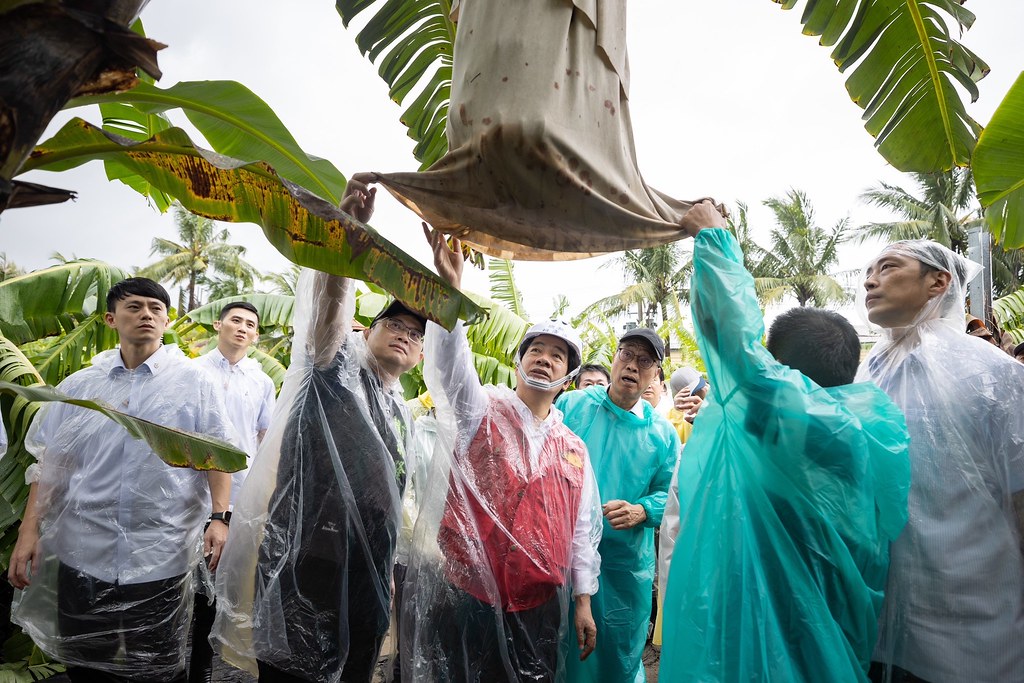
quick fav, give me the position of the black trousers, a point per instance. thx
(327, 604)
(882, 673)
(200, 665)
(472, 645)
(97, 619)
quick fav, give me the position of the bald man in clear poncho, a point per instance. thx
(954, 607)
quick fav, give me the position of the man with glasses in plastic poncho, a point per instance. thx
(791, 487)
(954, 607)
(112, 534)
(304, 591)
(511, 522)
(634, 451)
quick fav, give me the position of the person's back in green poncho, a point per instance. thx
(790, 494)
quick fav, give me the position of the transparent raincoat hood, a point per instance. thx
(954, 606)
(120, 530)
(789, 494)
(304, 585)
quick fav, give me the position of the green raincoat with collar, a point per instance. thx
(633, 459)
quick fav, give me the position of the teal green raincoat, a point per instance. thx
(633, 459)
(790, 494)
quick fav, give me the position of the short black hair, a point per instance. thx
(244, 305)
(137, 286)
(591, 367)
(821, 344)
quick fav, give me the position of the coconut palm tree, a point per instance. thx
(202, 254)
(284, 283)
(802, 254)
(9, 268)
(943, 207)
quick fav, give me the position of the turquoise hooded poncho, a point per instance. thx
(790, 494)
(633, 459)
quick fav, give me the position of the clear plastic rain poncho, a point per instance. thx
(305, 583)
(954, 608)
(789, 494)
(541, 163)
(507, 533)
(120, 530)
(633, 460)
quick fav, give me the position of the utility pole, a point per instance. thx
(979, 290)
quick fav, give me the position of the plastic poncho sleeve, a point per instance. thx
(654, 502)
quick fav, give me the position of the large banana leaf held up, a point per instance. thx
(999, 169)
(175, 447)
(49, 52)
(906, 65)
(306, 229)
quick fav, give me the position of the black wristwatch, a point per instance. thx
(222, 517)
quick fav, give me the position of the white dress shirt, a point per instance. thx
(249, 398)
(109, 506)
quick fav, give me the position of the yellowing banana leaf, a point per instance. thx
(905, 63)
(998, 168)
(175, 447)
(236, 123)
(304, 228)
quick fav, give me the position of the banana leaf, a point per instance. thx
(421, 39)
(304, 228)
(236, 123)
(906, 66)
(504, 288)
(496, 338)
(998, 168)
(173, 446)
(1010, 310)
(53, 300)
(276, 310)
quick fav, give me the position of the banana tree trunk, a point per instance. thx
(49, 53)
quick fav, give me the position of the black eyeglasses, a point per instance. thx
(628, 355)
(398, 327)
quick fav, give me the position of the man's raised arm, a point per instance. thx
(726, 313)
(332, 298)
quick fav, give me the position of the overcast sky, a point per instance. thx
(728, 99)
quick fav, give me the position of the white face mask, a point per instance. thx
(541, 385)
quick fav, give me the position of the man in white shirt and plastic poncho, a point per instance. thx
(510, 528)
(954, 607)
(249, 398)
(304, 591)
(111, 533)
